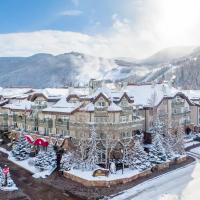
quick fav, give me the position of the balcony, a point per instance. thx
(18, 118)
(186, 122)
(38, 106)
(61, 122)
(178, 103)
(4, 116)
(180, 112)
(4, 127)
(32, 121)
(163, 114)
(137, 123)
(48, 123)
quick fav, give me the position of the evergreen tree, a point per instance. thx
(21, 149)
(2, 180)
(92, 156)
(179, 141)
(10, 182)
(46, 160)
(157, 152)
(168, 142)
(68, 161)
(136, 157)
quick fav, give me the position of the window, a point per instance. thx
(101, 119)
(123, 119)
(101, 103)
(125, 135)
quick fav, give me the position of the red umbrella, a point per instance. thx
(41, 142)
(29, 139)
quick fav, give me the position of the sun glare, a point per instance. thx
(178, 18)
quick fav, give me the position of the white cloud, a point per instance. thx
(154, 25)
(71, 13)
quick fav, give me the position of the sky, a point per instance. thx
(107, 28)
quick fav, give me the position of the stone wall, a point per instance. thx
(104, 183)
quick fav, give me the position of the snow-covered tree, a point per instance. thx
(157, 152)
(21, 149)
(46, 160)
(167, 142)
(92, 156)
(179, 141)
(136, 157)
(2, 181)
(10, 182)
(69, 161)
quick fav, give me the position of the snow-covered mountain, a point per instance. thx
(46, 70)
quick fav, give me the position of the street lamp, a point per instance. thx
(122, 151)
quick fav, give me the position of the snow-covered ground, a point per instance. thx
(181, 184)
(87, 175)
(26, 164)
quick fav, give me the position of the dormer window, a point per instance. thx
(101, 103)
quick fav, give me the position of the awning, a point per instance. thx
(29, 139)
(41, 142)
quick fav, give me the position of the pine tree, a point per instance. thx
(136, 157)
(2, 180)
(46, 160)
(68, 161)
(21, 149)
(92, 157)
(179, 141)
(168, 142)
(10, 182)
(157, 152)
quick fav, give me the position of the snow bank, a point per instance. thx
(27, 166)
(4, 151)
(43, 174)
(9, 189)
(87, 175)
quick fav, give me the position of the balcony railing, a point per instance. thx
(135, 123)
(61, 122)
(4, 116)
(177, 103)
(181, 112)
(38, 107)
(186, 122)
(4, 127)
(32, 121)
(18, 118)
(46, 123)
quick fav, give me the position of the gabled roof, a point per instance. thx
(101, 95)
(114, 108)
(63, 107)
(21, 106)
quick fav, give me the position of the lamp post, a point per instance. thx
(122, 151)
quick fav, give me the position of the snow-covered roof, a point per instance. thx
(89, 107)
(62, 106)
(14, 92)
(192, 94)
(143, 93)
(23, 105)
(114, 108)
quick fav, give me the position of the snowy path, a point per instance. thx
(182, 184)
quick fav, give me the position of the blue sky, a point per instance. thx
(107, 28)
(66, 15)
